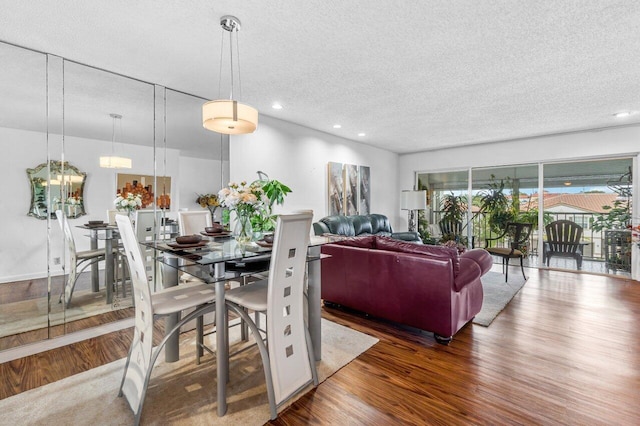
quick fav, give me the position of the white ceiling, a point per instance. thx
(413, 75)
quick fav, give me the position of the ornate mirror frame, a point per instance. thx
(60, 181)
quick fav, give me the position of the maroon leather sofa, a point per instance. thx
(429, 287)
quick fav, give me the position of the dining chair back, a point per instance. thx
(190, 223)
(288, 360)
(142, 355)
(111, 216)
(516, 236)
(147, 228)
(77, 259)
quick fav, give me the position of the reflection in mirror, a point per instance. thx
(23, 264)
(57, 187)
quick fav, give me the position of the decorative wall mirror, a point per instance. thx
(63, 183)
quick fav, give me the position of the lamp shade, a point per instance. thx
(112, 162)
(229, 117)
(413, 200)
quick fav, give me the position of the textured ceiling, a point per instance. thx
(413, 75)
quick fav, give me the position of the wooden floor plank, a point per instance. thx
(566, 350)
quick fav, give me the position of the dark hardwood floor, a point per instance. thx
(566, 350)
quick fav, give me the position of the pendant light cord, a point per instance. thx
(231, 58)
(220, 71)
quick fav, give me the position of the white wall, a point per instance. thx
(23, 252)
(298, 157)
(567, 147)
(197, 176)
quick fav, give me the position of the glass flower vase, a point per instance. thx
(243, 232)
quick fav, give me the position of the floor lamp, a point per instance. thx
(412, 201)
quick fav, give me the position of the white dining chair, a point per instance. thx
(111, 215)
(287, 357)
(148, 307)
(147, 228)
(190, 223)
(77, 259)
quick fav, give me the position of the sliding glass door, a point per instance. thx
(594, 198)
(580, 213)
(502, 195)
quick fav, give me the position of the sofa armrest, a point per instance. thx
(469, 272)
(319, 228)
(481, 257)
(407, 236)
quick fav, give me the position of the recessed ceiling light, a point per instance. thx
(362, 134)
(337, 126)
(567, 184)
(624, 114)
(276, 105)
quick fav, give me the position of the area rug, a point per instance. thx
(180, 393)
(497, 295)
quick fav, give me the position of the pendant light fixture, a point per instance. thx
(112, 161)
(229, 116)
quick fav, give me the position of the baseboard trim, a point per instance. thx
(68, 339)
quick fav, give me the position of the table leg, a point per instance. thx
(109, 266)
(95, 270)
(222, 343)
(314, 302)
(170, 275)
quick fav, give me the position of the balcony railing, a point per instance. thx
(612, 247)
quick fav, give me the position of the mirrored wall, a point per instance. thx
(59, 123)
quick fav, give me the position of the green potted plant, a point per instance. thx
(264, 220)
(454, 208)
(495, 204)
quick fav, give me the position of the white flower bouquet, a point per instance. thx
(243, 198)
(129, 202)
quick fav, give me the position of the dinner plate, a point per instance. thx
(263, 243)
(184, 246)
(216, 234)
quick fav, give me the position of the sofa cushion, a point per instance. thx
(379, 223)
(339, 225)
(368, 241)
(385, 243)
(361, 225)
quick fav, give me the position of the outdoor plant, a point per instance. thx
(617, 217)
(454, 208)
(495, 204)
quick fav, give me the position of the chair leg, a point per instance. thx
(312, 360)
(199, 338)
(263, 353)
(522, 267)
(506, 274)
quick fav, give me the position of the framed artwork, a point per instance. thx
(365, 190)
(143, 185)
(335, 189)
(350, 189)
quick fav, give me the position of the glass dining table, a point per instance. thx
(218, 259)
(109, 236)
